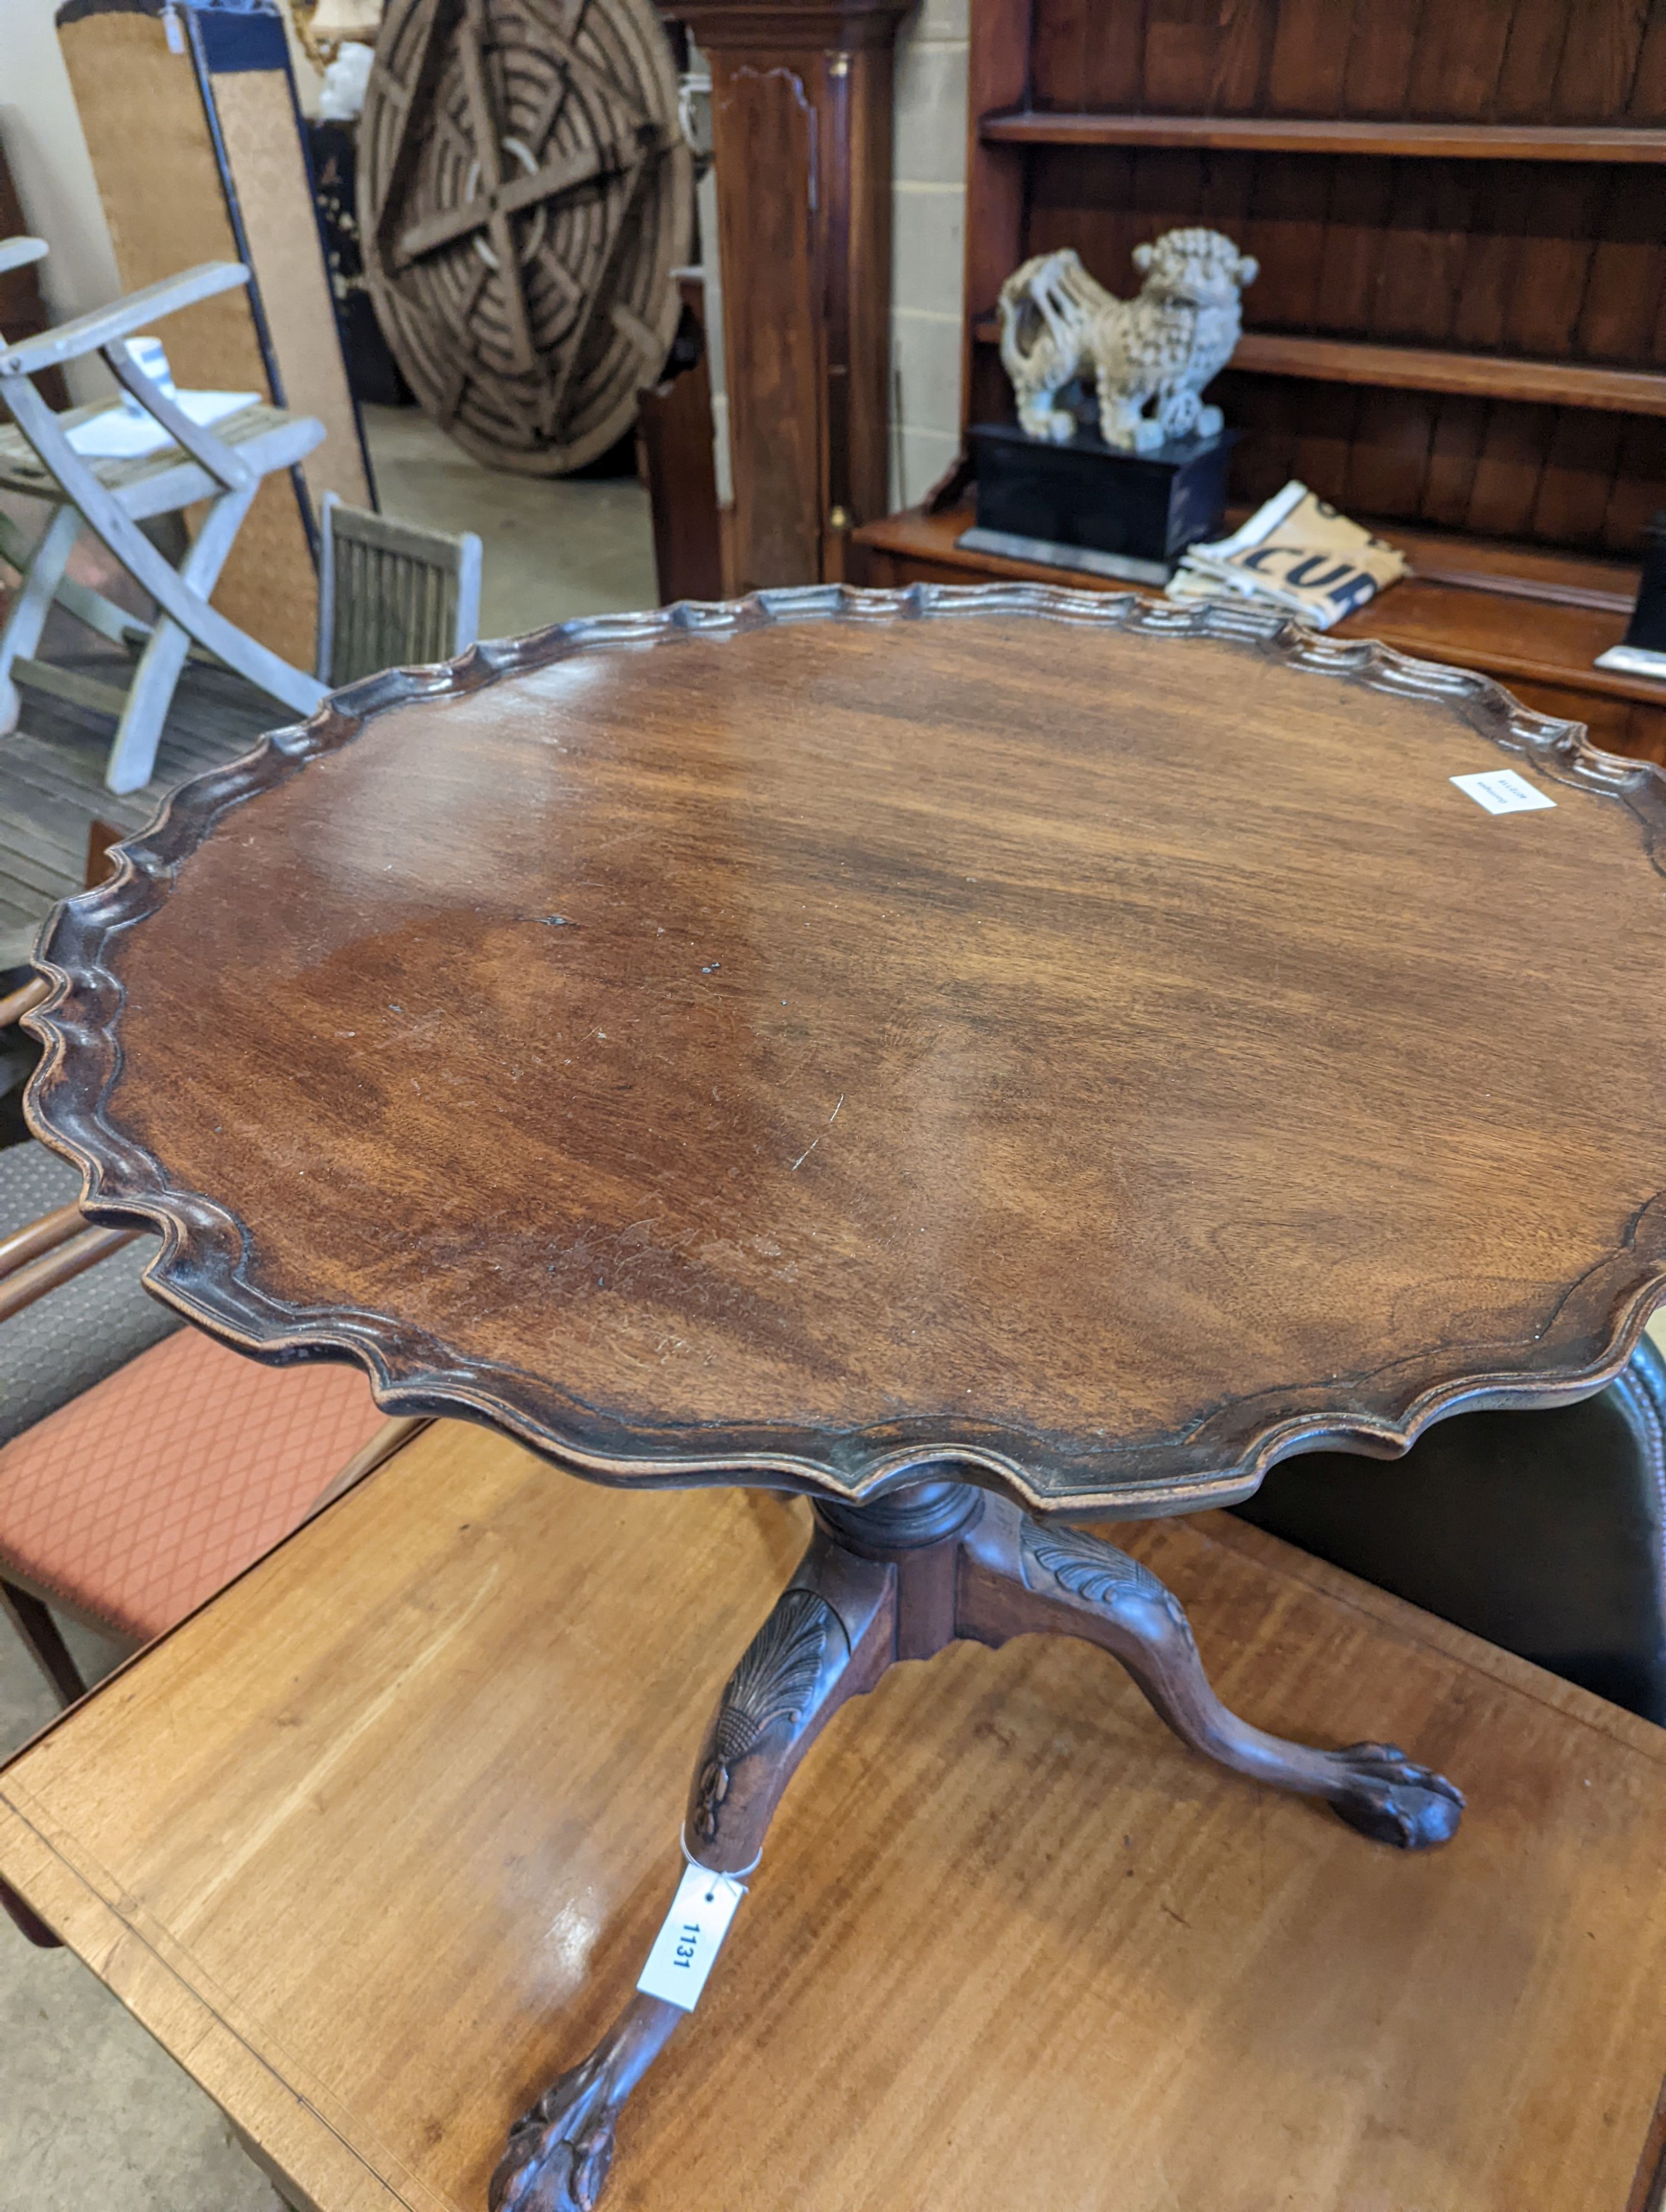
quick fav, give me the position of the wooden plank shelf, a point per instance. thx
(1418, 368)
(1488, 376)
(1256, 134)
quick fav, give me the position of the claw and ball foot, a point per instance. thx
(559, 2152)
(829, 1636)
(1389, 1798)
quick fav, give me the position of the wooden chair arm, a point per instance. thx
(73, 1257)
(212, 453)
(45, 1235)
(87, 333)
(17, 1003)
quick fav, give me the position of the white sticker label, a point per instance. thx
(691, 1937)
(1501, 791)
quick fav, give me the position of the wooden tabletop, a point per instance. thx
(376, 1843)
(1094, 1044)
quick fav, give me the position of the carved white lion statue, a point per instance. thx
(1150, 356)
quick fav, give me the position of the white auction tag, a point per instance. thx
(1501, 791)
(691, 1937)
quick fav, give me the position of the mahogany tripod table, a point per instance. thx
(974, 1058)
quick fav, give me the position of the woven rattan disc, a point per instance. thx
(525, 193)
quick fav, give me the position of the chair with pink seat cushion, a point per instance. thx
(140, 1499)
(137, 1500)
(142, 1464)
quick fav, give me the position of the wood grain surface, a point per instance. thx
(1091, 1043)
(1417, 368)
(801, 140)
(1295, 134)
(764, 122)
(379, 1839)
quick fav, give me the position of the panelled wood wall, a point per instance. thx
(1506, 260)
(1504, 61)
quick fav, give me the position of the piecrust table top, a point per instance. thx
(1093, 1044)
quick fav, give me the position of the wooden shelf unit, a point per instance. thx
(1420, 368)
(1296, 134)
(1459, 327)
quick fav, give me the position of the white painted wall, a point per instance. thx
(48, 159)
(929, 194)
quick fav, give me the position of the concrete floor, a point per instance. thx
(92, 2113)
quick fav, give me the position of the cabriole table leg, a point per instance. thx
(898, 1579)
(1019, 1577)
(829, 1638)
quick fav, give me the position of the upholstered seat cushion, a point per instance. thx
(75, 1336)
(147, 1493)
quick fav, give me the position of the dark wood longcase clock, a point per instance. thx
(801, 105)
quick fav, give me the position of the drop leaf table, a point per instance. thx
(379, 1834)
(979, 1059)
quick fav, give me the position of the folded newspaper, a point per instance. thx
(1295, 556)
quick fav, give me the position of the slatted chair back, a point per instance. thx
(391, 595)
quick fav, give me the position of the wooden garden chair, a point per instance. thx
(223, 467)
(391, 595)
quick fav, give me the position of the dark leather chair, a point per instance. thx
(1543, 1532)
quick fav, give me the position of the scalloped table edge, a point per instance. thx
(200, 1269)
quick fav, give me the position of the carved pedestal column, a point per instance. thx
(801, 136)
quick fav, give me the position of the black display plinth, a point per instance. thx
(1643, 651)
(1088, 505)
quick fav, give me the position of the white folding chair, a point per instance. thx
(223, 467)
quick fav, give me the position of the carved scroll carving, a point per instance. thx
(767, 1695)
(1089, 1568)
